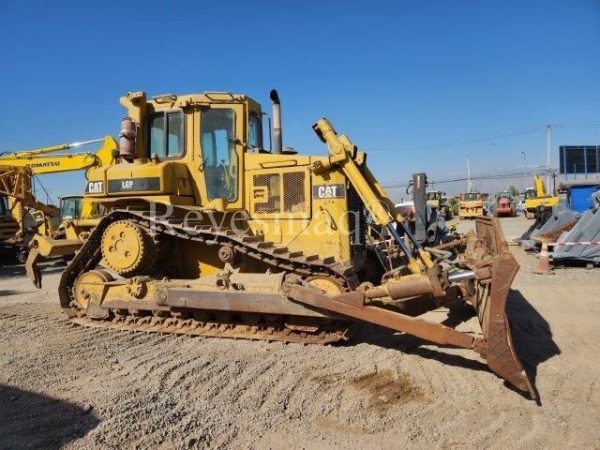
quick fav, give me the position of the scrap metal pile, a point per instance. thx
(573, 237)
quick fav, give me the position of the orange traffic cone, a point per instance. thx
(543, 267)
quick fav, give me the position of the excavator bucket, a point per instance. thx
(490, 305)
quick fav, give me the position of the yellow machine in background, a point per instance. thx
(48, 160)
(21, 214)
(439, 201)
(434, 199)
(44, 160)
(207, 233)
(538, 197)
(470, 205)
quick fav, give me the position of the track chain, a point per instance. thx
(90, 255)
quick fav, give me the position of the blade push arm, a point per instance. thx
(343, 154)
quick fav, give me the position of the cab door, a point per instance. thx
(221, 154)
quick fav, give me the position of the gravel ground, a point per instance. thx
(69, 387)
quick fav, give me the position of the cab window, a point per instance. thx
(70, 208)
(219, 158)
(166, 135)
(254, 131)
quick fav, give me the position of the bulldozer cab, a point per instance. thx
(186, 150)
(471, 196)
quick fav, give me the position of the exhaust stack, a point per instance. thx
(277, 143)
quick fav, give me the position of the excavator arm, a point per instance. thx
(43, 161)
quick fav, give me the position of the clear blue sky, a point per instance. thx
(391, 74)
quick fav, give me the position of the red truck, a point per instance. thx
(505, 205)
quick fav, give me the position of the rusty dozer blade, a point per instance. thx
(492, 269)
(490, 305)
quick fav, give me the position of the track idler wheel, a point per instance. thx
(126, 248)
(88, 286)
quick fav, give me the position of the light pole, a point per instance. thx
(548, 141)
(493, 169)
(524, 169)
(469, 185)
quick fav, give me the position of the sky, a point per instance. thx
(419, 85)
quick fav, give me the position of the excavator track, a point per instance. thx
(270, 328)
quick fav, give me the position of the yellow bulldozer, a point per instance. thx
(205, 232)
(470, 205)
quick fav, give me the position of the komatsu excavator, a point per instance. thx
(207, 233)
(64, 239)
(537, 197)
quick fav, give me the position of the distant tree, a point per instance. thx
(514, 191)
(453, 203)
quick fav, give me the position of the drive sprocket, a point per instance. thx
(126, 247)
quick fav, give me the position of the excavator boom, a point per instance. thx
(44, 161)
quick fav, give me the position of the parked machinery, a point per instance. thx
(20, 212)
(209, 234)
(505, 206)
(439, 201)
(470, 205)
(429, 227)
(537, 197)
(64, 239)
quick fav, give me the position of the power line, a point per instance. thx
(487, 139)
(497, 176)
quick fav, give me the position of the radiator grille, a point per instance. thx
(273, 203)
(358, 221)
(293, 192)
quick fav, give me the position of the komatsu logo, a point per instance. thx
(329, 191)
(95, 187)
(46, 164)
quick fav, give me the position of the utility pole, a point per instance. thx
(493, 170)
(548, 143)
(469, 185)
(524, 169)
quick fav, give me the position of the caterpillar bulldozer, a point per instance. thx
(207, 233)
(470, 205)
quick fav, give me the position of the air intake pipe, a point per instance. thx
(277, 143)
(127, 139)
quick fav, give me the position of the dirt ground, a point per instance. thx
(63, 386)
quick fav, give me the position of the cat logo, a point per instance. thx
(95, 187)
(126, 184)
(329, 191)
